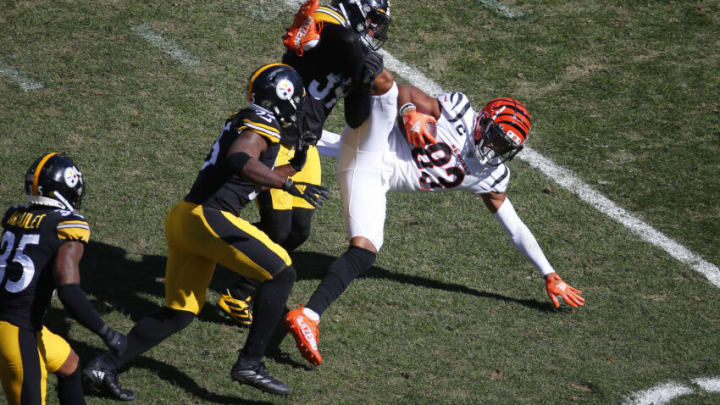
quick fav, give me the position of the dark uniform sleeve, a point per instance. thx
(357, 102)
(357, 106)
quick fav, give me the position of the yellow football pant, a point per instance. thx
(198, 238)
(26, 358)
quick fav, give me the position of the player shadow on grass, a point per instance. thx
(119, 283)
(312, 265)
(58, 321)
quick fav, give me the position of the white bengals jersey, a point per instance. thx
(376, 158)
(447, 165)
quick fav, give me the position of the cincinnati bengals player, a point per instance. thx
(336, 59)
(442, 145)
(205, 229)
(40, 251)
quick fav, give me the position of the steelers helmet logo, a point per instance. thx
(285, 89)
(71, 176)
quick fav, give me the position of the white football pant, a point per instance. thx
(360, 169)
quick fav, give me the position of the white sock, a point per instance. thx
(311, 314)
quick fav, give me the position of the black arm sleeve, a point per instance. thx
(357, 106)
(77, 304)
(357, 102)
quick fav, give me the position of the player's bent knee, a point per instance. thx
(286, 274)
(363, 243)
(70, 365)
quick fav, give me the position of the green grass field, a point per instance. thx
(623, 93)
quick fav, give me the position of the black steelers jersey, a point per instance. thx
(216, 185)
(31, 238)
(330, 71)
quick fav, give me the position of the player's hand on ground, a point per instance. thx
(419, 127)
(313, 194)
(555, 287)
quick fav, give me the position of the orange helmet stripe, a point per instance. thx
(38, 169)
(513, 114)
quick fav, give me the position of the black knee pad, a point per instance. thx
(288, 274)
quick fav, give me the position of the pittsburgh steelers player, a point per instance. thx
(336, 57)
(442, 145)
(205, 228)
(40, 251)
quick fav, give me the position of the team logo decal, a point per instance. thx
(285, 89)
(514, 137)
(71, 176)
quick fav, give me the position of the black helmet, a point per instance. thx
(279, 89)
(54, 180)
(369, 18)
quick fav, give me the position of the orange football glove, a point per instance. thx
(305, 31)
(419, 127)
(556, 286)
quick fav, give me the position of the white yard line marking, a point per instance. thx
(659, 395)
(567, 179)
(708, 384)
(411, 74)
(170, 48)
(664, 393)
(16, 77)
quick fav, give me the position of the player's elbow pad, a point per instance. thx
(236, 162)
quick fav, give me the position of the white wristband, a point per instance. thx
(407, 106)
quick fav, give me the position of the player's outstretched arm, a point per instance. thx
(242, 158)
(526, 243)
(67, 280)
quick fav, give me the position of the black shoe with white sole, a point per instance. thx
(103, 377)
(259, 377)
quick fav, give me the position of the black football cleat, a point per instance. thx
(259, 377)
(103, 377)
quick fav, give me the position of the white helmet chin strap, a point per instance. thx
(46, 201)
(64, 201)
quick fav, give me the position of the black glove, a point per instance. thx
(305, 140)
(315, 195)
(114, 340)
(298, 160)
(308, 138)
(372, 67)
